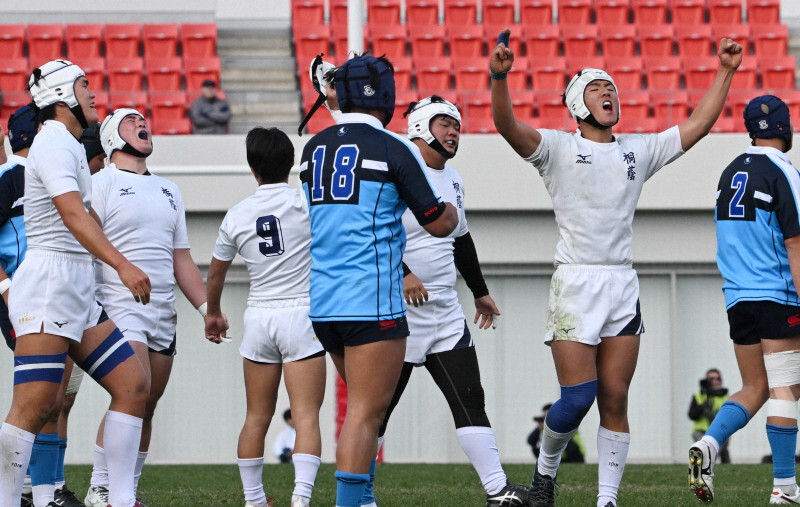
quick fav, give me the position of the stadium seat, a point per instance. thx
(542, 41)
(160, 39)
(522, 101)
(739, 32)
(574, 12)
(627, 72)
(699, 71)
(95, 70)
(14, 74)
(403, 73)
(634, 104)
(453, 96)
(670, 107)
(341, 43)
(309, 41)
(688, 12)
(466, 41)
(770, 40)
(724, 125)
(694, 40)
(83, 40)
(199, 40)
(319, 122)
(517, 78)
(338, 12)
(44, 43)
(792, 100)
(576, 64)
(13, 100)
(101, 103)
(390, 40)
(663, 73)
(433, 73)
(611, 12)
(515, 42)
(164, 74)
(12, 41)
(470, 74)
(198, 70)
(125, 74)
(128, 99)
(777, 71)
(479, 105)
(498, 12)
(479, 126)
(460, 12)
(548, 73)
(636, 125)
(764, 12)
(724, 11)
(535, 12)
(172, 127)
(427, 41)
(307, 12)
(167, 105)
(618, 40)
(422, 12)
(649, 12)
(746, 77)
(579, 41)
(736, 101)
(383, 12)
(549, 105)
(122, 40)
(656, 40)
(402, 100)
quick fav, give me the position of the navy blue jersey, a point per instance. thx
(13, 241)
(359, 179)
(758, 199)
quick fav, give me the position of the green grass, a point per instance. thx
(424, 485)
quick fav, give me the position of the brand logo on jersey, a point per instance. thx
(60, 324)
(342, 131)
(582, 159)
(171, 198)
(431, 210)
(793, 320)
(763, 124)
(387, 324)
(126, 191)
(26, 318)
(369, 91)
(747, 161)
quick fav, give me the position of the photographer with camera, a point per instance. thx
(705, 405)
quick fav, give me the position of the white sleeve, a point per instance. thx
(224, 249)
(181, 237)
(100, 186)
(542, 156)
(663, 148)
(58, 170)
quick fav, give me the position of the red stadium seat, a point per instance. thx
(12, 41)
(319, 122)
(44, 43)
(470, 74)
(95, 70)
(764, 12)
(574, 12)
(739, 32)
(522, 102)
(172, 127)
(481, 126)
(125, 74)
(627, 72)
(308, 12)
(737, 100)
(338, 12)
(634, 104)
(746, 77)
(309, 41)
(724, 11)
(517, 78)
(699, 71)
(101, 103)
(83, 41)
(13, 100)
(577, 64)
(14, 73)
(688, 12)
(422, 12)
(656, 40)
(548, 74)
(453, 96)
(579, 41)
(160, 39)
(612, 12)
(460, 12)
(772, 40)
(199, 40)
(403, 72)
(390, 40)
(433, 73)
(724, 125)
(549, 105)
(479, 105)
(649, 12)
(466, 41)
(164, 74)
(122, 40)
(402, 100)
(542, 41)
(777, 71)
(694, 40)
(198, 70)
(618, 40)
(663, 73)
(498, 12)
(636, 125)
(128, 99)
(427, 41)
(535, 12)
(670, 106)
(167, 105)
(341, 44)
(383, 12)
(491, 32)
(792, 100)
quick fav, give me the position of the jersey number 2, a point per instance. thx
(736, 208)
(268, 228)
(342, 179)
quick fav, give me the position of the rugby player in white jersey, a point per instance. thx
(143, 216)
(594, 179)
(271, 232)
(51, 301)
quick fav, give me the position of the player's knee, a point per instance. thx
(783, 377)
(567, 413)
(471, 408)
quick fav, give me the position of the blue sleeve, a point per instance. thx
(414, 187)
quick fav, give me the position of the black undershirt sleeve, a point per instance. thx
(466, 260)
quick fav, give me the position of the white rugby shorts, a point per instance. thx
(153, 324)
(436, 326)
(55, 291)
(278, 331)
(590, 302)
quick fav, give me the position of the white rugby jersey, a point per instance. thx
(144, 218)
(271, 230)
(56, 165)
(595, 188)
(429, 257)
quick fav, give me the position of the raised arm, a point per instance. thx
(521, 136)
(710, 106)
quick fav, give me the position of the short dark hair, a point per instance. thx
(48, 113)
(270, 153)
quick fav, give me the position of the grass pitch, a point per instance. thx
(426, 485)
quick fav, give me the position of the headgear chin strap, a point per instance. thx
(54, 82)
(574, 100)
(112, 140)
(766, 117)
(420, 118)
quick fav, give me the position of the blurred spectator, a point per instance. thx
(210, 114)
(572, 454)
(284, 444)
(704, 407)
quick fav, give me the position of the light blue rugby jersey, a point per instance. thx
(758, 199)
(13, 240)
(359, 179)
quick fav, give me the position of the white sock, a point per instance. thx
(251, 471)
(27, 485)
(121, 438)
(137, 472)
(714, 445)
(305, 473)
(17, 444)
(612, 454)
(480, 447)
(100, 469)
(788, 484)
(43, 494)
(553, 445)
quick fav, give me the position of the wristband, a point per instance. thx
(498, 77)
(203, 309)
(503, 38)
(5, 285)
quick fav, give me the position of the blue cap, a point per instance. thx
(767, 116)
(22, 128)
(366, 82)
(91, 141)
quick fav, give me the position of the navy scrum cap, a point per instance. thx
(91, 141)
(767, 116)
(367, 83)
(22, 127)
